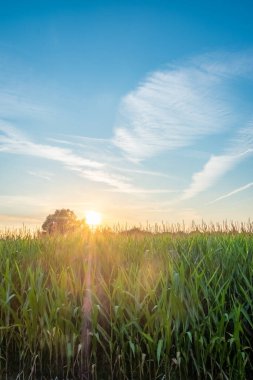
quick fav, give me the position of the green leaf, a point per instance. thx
(148, 337)
(159, 350)
(132, 346)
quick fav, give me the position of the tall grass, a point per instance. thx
(164, 306)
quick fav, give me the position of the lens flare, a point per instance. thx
(93, 218)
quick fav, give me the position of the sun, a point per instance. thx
(93, 218)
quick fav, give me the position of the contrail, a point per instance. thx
(233, 192)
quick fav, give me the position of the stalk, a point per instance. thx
(87, 309)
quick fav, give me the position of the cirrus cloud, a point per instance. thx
(173, 108)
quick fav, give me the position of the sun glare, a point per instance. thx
(93, 218)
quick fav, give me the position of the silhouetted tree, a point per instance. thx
(62, 221)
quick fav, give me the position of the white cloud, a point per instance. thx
(117, 183)
(12, 141)
(243, 139)
(172, 109)
(239, 148)
(238, 190)
(226, 64)
(90, 144)
(214, 169)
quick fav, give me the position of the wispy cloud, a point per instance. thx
(12, 141)
(106, 149)
(226, 64)
(116, 182)
(213, 170)
(145, 172)
(238, 147)
(169, 110)
(243, 138)
(15, 105)
(142, 191)
(217, 166)
(173, 108)
(238, 190)
(41, 174)
(81, 141)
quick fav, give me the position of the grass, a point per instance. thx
(164, 305)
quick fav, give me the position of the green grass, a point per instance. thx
(164, 306)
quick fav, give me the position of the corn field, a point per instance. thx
(161, 305)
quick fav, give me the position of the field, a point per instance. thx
(109, 305)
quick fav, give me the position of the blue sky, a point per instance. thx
(141, 110)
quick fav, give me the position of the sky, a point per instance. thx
(140, 110)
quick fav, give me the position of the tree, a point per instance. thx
(62, 221)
